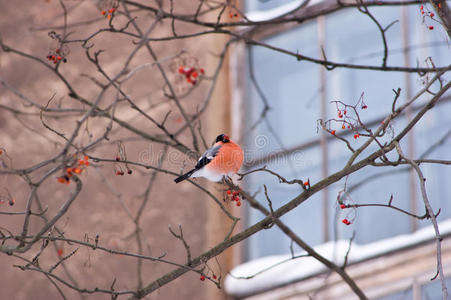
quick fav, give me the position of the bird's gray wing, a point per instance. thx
(207, 156)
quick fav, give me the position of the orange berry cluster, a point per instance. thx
(234, 196)
(108, 13)
(56, 57)
(191, 74)
(65, 179)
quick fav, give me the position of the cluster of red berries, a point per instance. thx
(56, 57)
(65, 179)
(120, 172)
(108, 13)
(191, 74)
(427, 13)
(202, 277)
(341, 113)
(233, 12)
(8, 196)
(345, 220)
(234, 196)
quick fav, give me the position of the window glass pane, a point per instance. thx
(292, 91)
(433, 289)
(403, 295)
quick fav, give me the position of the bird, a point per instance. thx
(224, 158)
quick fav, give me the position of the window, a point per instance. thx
(300, 93)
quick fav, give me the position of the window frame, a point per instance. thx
(238, 85)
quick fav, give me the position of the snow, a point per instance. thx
(302, 267)
(269, 14)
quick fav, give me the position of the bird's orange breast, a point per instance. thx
(228, 160)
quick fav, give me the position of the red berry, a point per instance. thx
(103, 12)
(431, 27)
(229, 192)
(342, 206)
(202, 70)
(129, 171)
(421, 7)
(422, 12)
(118, 158)
(333, 132)
(364, 106)
(11, 201)
(306, 183)
(432, 14)
(194, 74)
(181, 70)
(356, 136)
(346, 222)
(69, 171)
(238, 203)
(60, 252)
(118, 173)
(202, 278)
(214, 276)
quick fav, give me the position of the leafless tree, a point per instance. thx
(90, 128)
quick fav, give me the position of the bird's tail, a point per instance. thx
(184, 176)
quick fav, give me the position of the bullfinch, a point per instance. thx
(224, 158)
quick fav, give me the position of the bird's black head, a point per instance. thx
(223, 138)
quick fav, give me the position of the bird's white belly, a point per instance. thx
(209, 174)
